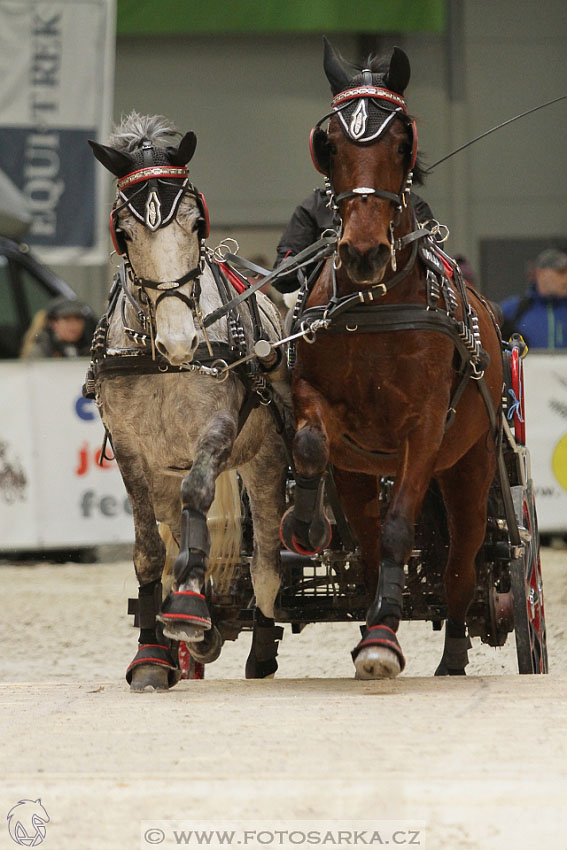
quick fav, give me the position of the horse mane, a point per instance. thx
(134, 129)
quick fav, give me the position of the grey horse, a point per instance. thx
(179, 420)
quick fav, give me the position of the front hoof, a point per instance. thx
(148, 677)
(302, 539)
(378, 655)
(181, 631)
(153, 668)
(185, 616)
(208, 648)
(377, 662)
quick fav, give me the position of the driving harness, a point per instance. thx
(152, 193)
(365, 112)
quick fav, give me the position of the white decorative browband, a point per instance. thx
(154, 172)
(369, 91)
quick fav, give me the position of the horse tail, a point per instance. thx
(225, 527)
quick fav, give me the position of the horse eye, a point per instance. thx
(403, 148)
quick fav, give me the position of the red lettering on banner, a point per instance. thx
(84, 460)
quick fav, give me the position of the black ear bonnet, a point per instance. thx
(152, 191)
(365, 111)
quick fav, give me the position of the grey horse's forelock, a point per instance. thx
(135, 128)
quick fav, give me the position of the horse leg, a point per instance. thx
(360, 500)
(378, 654)
(465, 490)
(305, 528)
(184, 613)
(264, 479)
(154, 666)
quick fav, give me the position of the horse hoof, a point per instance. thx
(149, 677)
(208, 648)
(443, 670)
(182, 631)
(376, 662)
(318, 534)
(260, 669)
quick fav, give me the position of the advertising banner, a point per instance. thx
(56, 77)
(545, 378)
(53, 493)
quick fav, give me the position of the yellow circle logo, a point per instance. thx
(559, 461)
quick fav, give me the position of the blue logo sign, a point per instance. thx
(86, 409)
(26, 823)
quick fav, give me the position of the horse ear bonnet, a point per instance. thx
(165, 192)
(117, 162)
(362, 119)
(399, 72)
(183, 153)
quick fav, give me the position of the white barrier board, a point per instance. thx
(545, 378)
(52, 491)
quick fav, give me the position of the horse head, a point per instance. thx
(368, 155)
(157, 223)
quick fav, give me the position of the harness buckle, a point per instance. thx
(305, 330)
(221, 367)
(392, 248)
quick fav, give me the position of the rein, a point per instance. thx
(322, 248)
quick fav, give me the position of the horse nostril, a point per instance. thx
(348, 253)
(161, 348)
(364, 262)
(381, 254)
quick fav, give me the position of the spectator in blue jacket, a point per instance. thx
(540, 315)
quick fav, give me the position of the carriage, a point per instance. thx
(400, 483)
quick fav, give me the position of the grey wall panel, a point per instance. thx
(252, 102)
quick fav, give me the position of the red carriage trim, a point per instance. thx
(517, 374)
(154, 172)
(369, 91)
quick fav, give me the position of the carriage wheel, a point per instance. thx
(527, 589)
(190, 668)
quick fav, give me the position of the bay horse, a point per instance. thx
(403, 378)
(174, 407)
